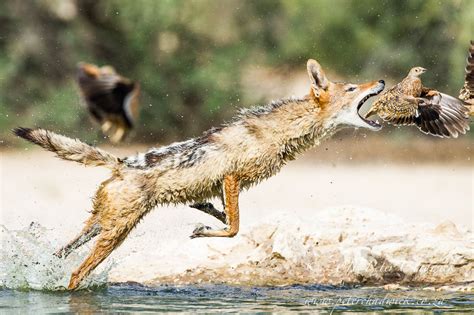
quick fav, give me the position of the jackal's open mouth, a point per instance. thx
(375, 91)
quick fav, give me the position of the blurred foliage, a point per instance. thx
(189, 56)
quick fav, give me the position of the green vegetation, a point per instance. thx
(189, 56)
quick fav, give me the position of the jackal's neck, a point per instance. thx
(294, 124)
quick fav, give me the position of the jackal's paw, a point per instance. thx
(200, 230)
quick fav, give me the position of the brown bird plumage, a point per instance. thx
(467, 92)
(112, 100)
(410, 103)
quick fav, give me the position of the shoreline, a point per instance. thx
(395, 207)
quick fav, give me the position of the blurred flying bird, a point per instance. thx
(467, 92)
(410, 103)
(112, 100)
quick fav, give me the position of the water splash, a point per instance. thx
(27, 262)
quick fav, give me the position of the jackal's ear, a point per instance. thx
(319, 82)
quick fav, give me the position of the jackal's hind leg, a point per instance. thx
(86, 235)
(209, 208)
(231, 190)
(110, 237)
(106, 243)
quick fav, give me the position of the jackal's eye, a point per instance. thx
(350, 89)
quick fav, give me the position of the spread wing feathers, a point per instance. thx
(110, 98)
(121, 97)
(102, 84)
(467, 91)
(131, 105)
(442, 115)
(402, 110)
(106, 92)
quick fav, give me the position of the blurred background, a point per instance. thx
(198, 61)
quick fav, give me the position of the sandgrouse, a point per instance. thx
(467, 92)
(410, 103)
(112, 100)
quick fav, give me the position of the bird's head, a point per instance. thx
(416, 71)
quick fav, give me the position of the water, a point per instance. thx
(27, 262)
(32, 280)
(215, 298)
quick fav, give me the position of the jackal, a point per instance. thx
(219, 163)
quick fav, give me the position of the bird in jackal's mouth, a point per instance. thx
(112, 100)
(410, 103)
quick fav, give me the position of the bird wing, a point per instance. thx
(103, 84)
(92, 79)
(441, 115)
(467, 91)
(384, 104)
(131, 104)
(399, 110)
(126, 94)
(105, 92)
(399, 104)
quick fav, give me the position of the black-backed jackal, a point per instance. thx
(220, 163)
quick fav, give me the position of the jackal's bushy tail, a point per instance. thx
(67, 148)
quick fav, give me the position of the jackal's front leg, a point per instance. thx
(231, 198)
(209, 208)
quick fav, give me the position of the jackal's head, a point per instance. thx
(341, 102)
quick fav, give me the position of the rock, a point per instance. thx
(447, 228)
(337, 246)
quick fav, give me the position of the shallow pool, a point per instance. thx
(214, 298)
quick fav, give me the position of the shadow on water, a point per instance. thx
(131, 297)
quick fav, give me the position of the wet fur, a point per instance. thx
(219, 163)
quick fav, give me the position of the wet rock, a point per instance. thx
(336, 246)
